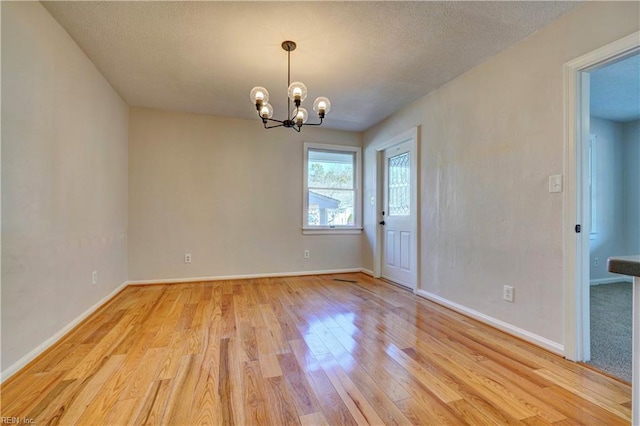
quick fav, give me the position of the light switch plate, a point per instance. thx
(555, 183)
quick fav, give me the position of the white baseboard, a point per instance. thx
(610, 280)
(244, 277)
(367, 271)
(500, 325)
(22, 362)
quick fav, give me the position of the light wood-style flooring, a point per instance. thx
(301, 350)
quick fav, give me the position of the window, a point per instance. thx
(332, 195)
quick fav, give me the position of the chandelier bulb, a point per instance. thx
(266, 110)
(259, 95)
(297, 91)
(301, 116)
(321, 106)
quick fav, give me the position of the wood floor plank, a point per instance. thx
(313, 419)
(224, 383)
(332, 406)
(17, 396)
(600, 400)
(272, 324)
(102, 349)
(205, 408)
(227, 315)
(438, 386)
(170, 362)
(579, 410)
(112, 388)
(311, 350)
(373, 392)
(152, 405)
(473, 413)
(46, 412)
(143, 376)
(282, 408)
(121, 412)
(299, 387)
(356, 403)
(269, 364)
(373, 363)
(475, 406)
(418, 415)
(525, 400)
(74, 406)
(178, 406)
(254, 397)
(186, 317)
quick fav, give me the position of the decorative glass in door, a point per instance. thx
(399, 185)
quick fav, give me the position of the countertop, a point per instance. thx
(626, 265)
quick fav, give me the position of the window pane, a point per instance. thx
(330, 169)
(334, 207)
(399, 185)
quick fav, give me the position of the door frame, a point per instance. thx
(576, 203)
(411, 136)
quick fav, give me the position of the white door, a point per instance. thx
(399, 207)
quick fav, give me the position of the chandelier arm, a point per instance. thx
(264, 120)
(272, 127)
(314, 124)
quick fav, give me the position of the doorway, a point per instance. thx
(614, 164)
(397, 258)
(581, 156)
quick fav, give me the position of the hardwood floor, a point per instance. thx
(302, 350)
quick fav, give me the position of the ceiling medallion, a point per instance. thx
(297, 93)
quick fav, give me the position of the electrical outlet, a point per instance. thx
(507, 293)
(187, 258)
(596, 261)
(94, 278)
(307, 254)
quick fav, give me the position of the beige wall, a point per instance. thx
(64, 181)
(226, 191)
(489, 141)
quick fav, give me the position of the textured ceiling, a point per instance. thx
(615, 90)
(369, 58)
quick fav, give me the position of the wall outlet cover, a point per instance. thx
(507, 293)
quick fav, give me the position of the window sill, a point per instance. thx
(331, 231)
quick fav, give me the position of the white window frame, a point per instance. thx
(356, 228)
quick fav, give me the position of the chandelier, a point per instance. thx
(297, 93)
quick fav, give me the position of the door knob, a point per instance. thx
(382, 222)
